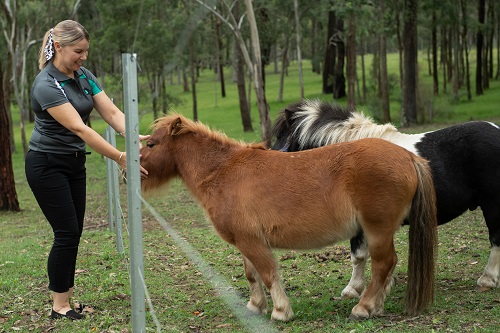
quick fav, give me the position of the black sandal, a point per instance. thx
(81, 308)
(71, 314)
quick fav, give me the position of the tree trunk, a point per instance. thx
(192, 72)
(284, 63)
(491, 34)
(185, 81)
(155, 93)
(330, 54)
(8, 194)
(466, 49)
(351, 61)
(6, 100)
(239, 69)
(363, 72)
(397, 10)
(163, 91)
(449, 51)
(299, 55)
(192, 67)
(376, 68)
(454, 34)
(444, 61)
(316, 66)
(409, 115)
(219, 56)
(435, 74)
(479, 49)
(338, 73)
(497, 76)
(265, 121)
(384, 82)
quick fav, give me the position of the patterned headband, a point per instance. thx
(49, 48)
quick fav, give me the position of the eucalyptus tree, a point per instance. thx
(8, 194)
(465, 35)
(479, 47)
(254, 62)
(290, 18)
(299, 54)
(382, 45)
(333, 70)
(409, 113)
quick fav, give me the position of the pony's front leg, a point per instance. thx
(491, 274)
(258, 302)
(258, 255)
(490, 277)
(384, 261)
(359, 257)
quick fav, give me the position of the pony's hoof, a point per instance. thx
(353, 317)
(350, 293)
(486, 282)
(282, 315)
(359, 313)
(255, 309)
(482, 289)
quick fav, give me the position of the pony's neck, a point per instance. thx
(201, 161)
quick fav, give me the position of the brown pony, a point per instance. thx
(259, 199)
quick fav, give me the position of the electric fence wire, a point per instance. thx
(143, 282)
(251, 322)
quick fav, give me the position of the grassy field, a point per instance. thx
(183, 299)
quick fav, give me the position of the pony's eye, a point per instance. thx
(150, 145)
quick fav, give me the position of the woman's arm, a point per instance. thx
(109, 112)
(68, 117)
(112, 115)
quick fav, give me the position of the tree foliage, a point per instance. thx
(169, 39)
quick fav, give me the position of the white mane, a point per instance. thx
(357, 126)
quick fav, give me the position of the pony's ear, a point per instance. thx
(176, 126)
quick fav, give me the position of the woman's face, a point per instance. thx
(71, 57)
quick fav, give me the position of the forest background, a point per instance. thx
(176, 39)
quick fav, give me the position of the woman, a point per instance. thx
(62, 97)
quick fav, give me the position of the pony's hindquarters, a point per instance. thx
(422, 242)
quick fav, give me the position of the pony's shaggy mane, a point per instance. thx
(348, 125)
(189, 125)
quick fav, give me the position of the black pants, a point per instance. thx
(59, 185)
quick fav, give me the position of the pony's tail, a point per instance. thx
(422, 242)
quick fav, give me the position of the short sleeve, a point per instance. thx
(49, 94)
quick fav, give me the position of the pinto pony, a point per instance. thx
(464, 159)
(259, 199)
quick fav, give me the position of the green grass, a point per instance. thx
(183, 299)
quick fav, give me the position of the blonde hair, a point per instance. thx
(66, 32)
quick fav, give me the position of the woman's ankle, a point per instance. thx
(61, 302)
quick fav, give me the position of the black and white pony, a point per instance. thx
(465, 163)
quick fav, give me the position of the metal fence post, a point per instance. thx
(110, 187)
(115, 216)
(129, 63)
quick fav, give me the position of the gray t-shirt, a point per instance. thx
(52, 88)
